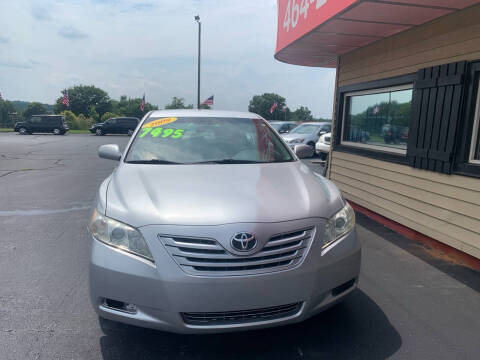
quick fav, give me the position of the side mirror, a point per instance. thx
(110, 151)
(303, 151)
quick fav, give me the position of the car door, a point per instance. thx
(110, 126)
(126, 125)
(35, 124)
(123, 126)
(132, 124)
(47, 123)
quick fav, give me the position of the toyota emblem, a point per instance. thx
(244, 241)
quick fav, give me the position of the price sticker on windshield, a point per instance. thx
(161, 132)
(159, 122)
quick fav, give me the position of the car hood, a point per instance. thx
(290, 136)
(141, 194)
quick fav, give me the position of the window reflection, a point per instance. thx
(380, 119)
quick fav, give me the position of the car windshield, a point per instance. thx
(194, 140)
(305, 129)
(276, 126)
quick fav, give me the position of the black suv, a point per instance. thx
(120, 125)
(42, 124)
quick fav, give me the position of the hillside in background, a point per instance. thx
(22, 105)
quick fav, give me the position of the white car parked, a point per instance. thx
(322, 147)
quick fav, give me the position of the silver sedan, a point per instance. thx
(211, 223)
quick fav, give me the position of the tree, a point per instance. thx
(178, 103)
(261, 105)
(303, 113)
(93, 114)
(34, 108)
(81, 97)
(109, 115)
(131, 107)
(8, 114)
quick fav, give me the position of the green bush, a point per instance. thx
(70, 119)
(109, 115)
(82, 122)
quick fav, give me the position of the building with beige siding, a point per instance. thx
(406, 143)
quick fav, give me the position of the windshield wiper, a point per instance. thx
(229, 161)
(152, 161)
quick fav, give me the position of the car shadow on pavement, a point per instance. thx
(357, 328)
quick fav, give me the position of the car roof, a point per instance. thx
(281, 122)
(47, 115)
(315, 123)
(203, 113)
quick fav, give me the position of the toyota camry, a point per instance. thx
(211, 223)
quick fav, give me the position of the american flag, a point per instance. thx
(65, 99)
(376, 110)
(142, 104)
(274, 106)
(1, 96)
(208, 101)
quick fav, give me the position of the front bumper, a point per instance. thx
(322, 148)
(162, 292)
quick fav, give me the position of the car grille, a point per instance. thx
(199, 256)
(242, 316)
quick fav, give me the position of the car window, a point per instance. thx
(36, 120)
(112, 121)
(48, 120)
(305, 129)
(190, 140)
(276, 126)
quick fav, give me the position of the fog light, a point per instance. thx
(120, 306)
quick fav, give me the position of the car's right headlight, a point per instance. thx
(339, 225)
(296, 141)
(119, 235)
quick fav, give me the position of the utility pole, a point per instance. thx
(197, 19)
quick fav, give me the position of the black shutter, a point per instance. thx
(436, 111)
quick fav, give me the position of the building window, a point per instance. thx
(378, 119)
(475, 145)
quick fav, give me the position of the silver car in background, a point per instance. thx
(307, 133)
(210, 223)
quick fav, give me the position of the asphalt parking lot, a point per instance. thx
(410, 303)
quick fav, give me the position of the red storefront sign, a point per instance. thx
(298, 17)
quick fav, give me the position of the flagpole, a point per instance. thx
(197, 19)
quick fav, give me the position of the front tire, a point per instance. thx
(130, 132)
(22, 131)
(323, 156)
(56, 131)
(99, 132)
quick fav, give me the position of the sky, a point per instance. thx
(128, 47)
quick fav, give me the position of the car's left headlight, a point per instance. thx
(119, 235)
(339, 225)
